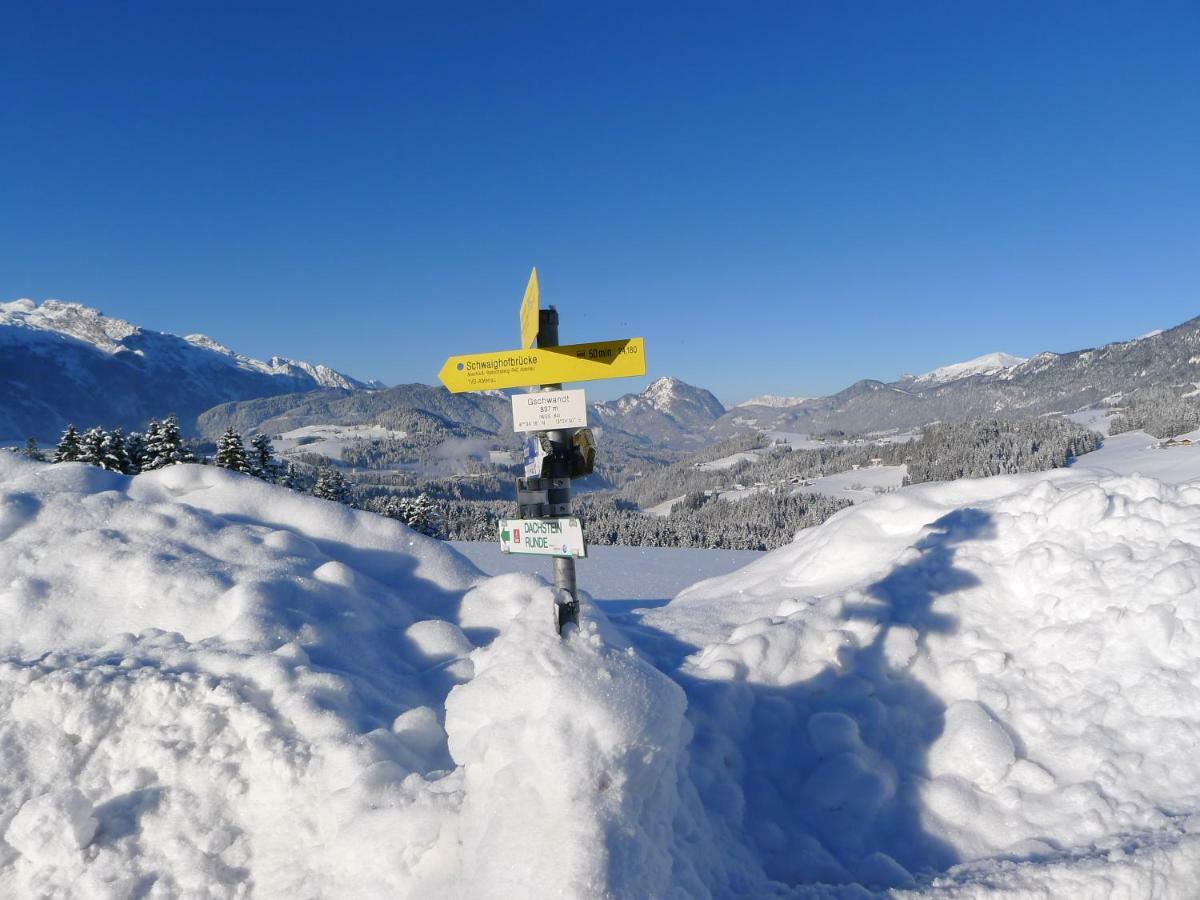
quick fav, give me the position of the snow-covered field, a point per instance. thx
(213, 687)
(330, 440)
(858, 485)
(620, 578)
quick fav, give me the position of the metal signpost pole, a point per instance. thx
(566, 610)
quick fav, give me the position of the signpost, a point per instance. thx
(543, 537)
(560, 446)
(544, 410)
(544, 365)
(529, 312)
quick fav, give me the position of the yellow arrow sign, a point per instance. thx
(529, 312)
(544, 365)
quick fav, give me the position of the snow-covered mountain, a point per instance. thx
(669, 412)
(772, 400)
(988, 364)
(64, 362)
(995, 385)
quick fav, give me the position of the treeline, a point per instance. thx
(163, 445)
(773, 465)
(761, 521)
(996, 447)
(1160, 412)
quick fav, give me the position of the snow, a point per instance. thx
(728, 462)
(994, 676)
(774, 400)
(330, 440)
(620, 578)
(211, 686)
(857, 485)
(988, 364)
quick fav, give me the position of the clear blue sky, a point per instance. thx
(779, 197)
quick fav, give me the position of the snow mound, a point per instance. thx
(213, 687)
(965, 687)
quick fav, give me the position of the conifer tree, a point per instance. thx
(262, 458)
(68, 446)
(32, 451)
(290, 477)
(164, 445)
(231, 454)
(331, 485)
(135, 451)
(151, 445)
(113, 455)
(91, 447)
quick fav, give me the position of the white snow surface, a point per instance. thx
(213, 687)
(988, 364)
(773, 400)
(992, 684)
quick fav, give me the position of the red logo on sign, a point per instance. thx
(516, 535)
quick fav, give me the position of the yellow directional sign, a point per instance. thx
(529, 312)
(544, 365)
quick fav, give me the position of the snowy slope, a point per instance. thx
(210, 686)
(996, 681)
(773, 400)
(64, 362)
(214, 687)
(988, 364)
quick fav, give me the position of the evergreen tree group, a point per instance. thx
(331, 485)
(420, 513)
(161, 445)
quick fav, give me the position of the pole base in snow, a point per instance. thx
(566, 612)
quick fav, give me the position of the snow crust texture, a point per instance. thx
(976, 686)
(213, 687)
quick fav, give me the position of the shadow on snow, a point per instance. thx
(821, 778)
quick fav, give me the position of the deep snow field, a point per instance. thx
(212, 687)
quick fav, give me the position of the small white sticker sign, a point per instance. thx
(543, 537)
(549, 410)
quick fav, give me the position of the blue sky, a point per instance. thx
(780, 197)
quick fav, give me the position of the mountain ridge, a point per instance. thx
(66, 362)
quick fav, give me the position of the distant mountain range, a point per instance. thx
(668, 413)
(63, 362)
(992, 386)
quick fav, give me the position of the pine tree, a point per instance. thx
(32, 451)
(113, 456)
(151, 445)
(291, 477)
(231, 454)
(68, 446)
(331, 486)
(262, 458)
(422, 514)
(135, 451)
(91, 447)
(165, 448)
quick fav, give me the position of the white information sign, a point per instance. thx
(543, 537)
(549, 410)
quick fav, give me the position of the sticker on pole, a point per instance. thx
(549, 410)
(543, 537)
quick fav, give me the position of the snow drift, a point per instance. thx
(978, 686)
(212, 687)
